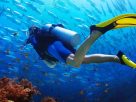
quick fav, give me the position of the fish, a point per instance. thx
(11, 30)
(2, 10)
(21, 7)
(15, 33)
(16, 13)
(97, 9)
(62, 21)
(12, 19)
(8, 10)
(103, 10)
(63, 8)
(40, 2)
(61, 2)
(66, 74)
(83, 27)
(7, 51)
(81, 92)
(91, 3)
(10, 56)
(16, 21)
(35, 22)
(33, 7)
(52, 14)
(130, 5)
(9, 16)
(109, 8)
(16, 1)
(2, 32)
(72, 3)
(94, 19)
(30, 17)
(17, 60)
(106, 84)
(106, 91)
(26, 55)
(78, 19)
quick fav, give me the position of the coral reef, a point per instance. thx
(48, 99)
(13, 91)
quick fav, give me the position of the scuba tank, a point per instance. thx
(63, 34)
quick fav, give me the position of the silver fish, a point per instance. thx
(91, 3)
(11, 56)
(16, 13)
(109, 8)
(11, 30)
(97, 9)
(40, 2)
(83, 27)
(78, 19)
(21, 7)
(71, 3)
(62, 21)
(7, 39)
(16, 21)
(35, 22)
(52, 14)
(61, 2)
(94, 19)
(103, 10)
(33, 7)
(8, 10)
(130, 5)
(2, 10)
(1, 32)
(29, 17)
(12, 19)
(66, 10)
(9, 16)
(16, 1)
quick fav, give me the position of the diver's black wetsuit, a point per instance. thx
(44, 44)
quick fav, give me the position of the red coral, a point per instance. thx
(16, 91)
(48, 99)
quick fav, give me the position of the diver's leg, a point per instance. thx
(77, 59)
(100, 58)
(114, 23)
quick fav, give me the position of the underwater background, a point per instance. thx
(107, 82)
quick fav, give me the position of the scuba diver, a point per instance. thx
(56, 44)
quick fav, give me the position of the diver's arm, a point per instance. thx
(43, 57)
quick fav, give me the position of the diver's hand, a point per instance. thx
(51, 64)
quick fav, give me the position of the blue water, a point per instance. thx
(107, 82)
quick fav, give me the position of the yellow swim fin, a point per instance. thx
(125, 61)
(121, 21)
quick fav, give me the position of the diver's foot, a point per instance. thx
(125, 61)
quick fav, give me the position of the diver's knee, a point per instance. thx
(70, 61)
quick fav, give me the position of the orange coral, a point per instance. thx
(48, 99)
(16, 91)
